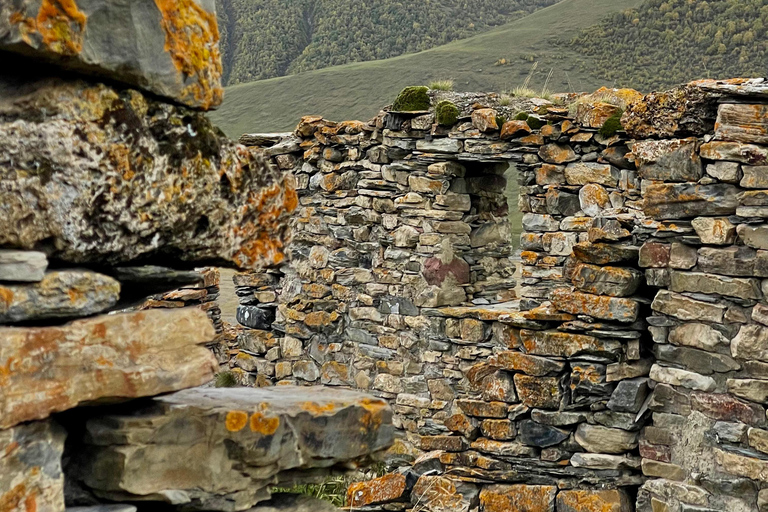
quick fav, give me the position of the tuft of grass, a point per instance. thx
(442, 85)
(226, 380)
(527, 92)
(412, 99)
(612, 125)
(334, 488)
(505, 100)
(446, 113)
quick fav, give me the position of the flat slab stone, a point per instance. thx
(742, 123)
(22, 266)
(240, 439)
(115, 357)
(596, 306)
(66, 294)
(170, 186)
(31, 478)
(165, 47)
(665, 201)
(752, 87)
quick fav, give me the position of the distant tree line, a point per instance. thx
(666, 42)
(269, 38)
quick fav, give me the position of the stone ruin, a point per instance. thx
(117, 196)
(616, 363)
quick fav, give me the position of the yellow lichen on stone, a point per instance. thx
(263, 424)
(192, 39)
(59, 23)
(236, 420)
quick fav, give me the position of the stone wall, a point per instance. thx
(603, 379)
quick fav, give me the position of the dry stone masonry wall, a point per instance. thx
(619, 370)
(110, 195)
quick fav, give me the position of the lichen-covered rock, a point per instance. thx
(668, 160)
(103, 176)
(240, 439)
(686, 110)
(31, 477)
(384, 489)
(597, 306)
(444, 494)
(61, 294)
(52, 369)
(169, 48)
(684, 200)
(504, 498)
(742, 123)
(594, 501)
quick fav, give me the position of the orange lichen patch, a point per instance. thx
(380, 490)
(236, 420)
(513, 129)
(317, 409)
(13, 498)
(6, 297)
(593, 501)
(320, 319)
(266, 425)
(60, 24)
(498, 498)
(585, 373)
(272, 206)
(192, 39)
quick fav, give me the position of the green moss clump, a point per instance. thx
(612, 125)
(534, 123)
(412, 99)
(446, 113)
(522, 116)
(501, 121)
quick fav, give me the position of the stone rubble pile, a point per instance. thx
(601, 380)
(109, 196)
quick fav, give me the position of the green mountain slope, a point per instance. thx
(269, 38)
(357, 91)
(666, 42)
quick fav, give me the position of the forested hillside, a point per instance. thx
(269, 38)
(665, 42)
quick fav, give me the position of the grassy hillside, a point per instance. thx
(666, 42)
(357, 91)
(270, 38)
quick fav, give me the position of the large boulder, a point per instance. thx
(223, 449)
(95, 175)
(50, 369)
(166, 47)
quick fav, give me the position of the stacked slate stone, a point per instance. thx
(400, 282)
(108, 193)
(704, 184)
(203, 295)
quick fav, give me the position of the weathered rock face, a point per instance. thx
(169, 48)
(687, 110)
(96, 175)
(52, 369)
(31, 477)
(64, 294)
(242, 442)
